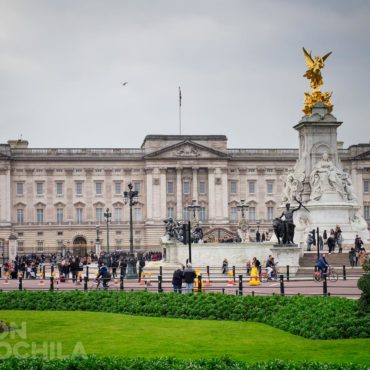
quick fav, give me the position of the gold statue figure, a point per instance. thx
(313, 73)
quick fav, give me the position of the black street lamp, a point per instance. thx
(193, 207)
(242, 207)
(107, 216)
(131, 198)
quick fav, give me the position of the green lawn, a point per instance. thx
(106, 334)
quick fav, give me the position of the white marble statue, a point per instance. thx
(326, 178)
(348, 187)
(293, 186)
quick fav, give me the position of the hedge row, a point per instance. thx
(115, 363)
(310, 317)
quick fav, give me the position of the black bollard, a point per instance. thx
(0, 271)
(86, 279)
(234, 273)
(87, 272)
(252, 293)
(160, 271)
(240, 284)
(325, 286)
(160, 290)
(51, 283)
(43, 272)
(20, 285)
(199, 283)
(282, 289)
(208, 271)
(344, 273)
(287, 273)
(121, 287)
(140, 272)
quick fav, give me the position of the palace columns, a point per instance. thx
(149, 193)
(178, 193)
(211, 194)
(195, 184)
(163, 193)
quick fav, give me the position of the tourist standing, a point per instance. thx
(309, 241)
(177, 281)
(189, 276)
(321, 243)
(263, 237)
(258, 236)
(225, 266)
(331, 243)
(352, 257)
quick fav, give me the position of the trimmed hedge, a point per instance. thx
(309, 317)
(115, 363)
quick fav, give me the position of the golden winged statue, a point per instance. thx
(313, 73)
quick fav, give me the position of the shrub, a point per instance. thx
(116, 363)
(364, 285)
(310, 317)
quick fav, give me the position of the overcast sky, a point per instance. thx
(239, 65)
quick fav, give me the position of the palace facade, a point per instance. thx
(54, 199)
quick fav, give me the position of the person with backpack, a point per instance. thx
(177, 281)
(189, 276)
(104, 275)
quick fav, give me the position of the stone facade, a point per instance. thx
(52, 198)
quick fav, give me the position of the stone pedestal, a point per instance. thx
(319, 181)
(237, 254)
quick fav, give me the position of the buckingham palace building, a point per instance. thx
(55, 199)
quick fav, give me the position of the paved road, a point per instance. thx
(344, 288)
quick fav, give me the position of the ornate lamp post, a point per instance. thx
(242, 207)
(193, 207)
(108, 217)
(131, 198)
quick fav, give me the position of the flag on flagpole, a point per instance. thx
(180, 96)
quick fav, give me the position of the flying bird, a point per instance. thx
(124, 83)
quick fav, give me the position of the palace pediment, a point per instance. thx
(188, 150)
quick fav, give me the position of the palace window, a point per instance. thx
(39, 215)
(270, 186)
(117, 187)
(186, 187)
(79, 215)
(40, 246)
(170, 212)
(39, 188)
(233, 187)
(137, 214)
(270, 213)
(59, 188)
(60, 214)
(367, 212)
(19, 188)
(233, 214)
(252, 187)
(366, 186)
(20, 216)
(78, 187)
(99, 214)
(202, 187)
(98, 188)
(252, 213)
(186, 214)
(202, 213)
(170, 187)
(137, 186)
(118, 215)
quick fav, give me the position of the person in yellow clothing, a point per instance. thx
(254, 278)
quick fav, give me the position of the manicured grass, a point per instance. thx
(106, 334)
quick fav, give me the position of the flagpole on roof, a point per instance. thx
(180, 97)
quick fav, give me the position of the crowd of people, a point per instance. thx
(69, 265)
